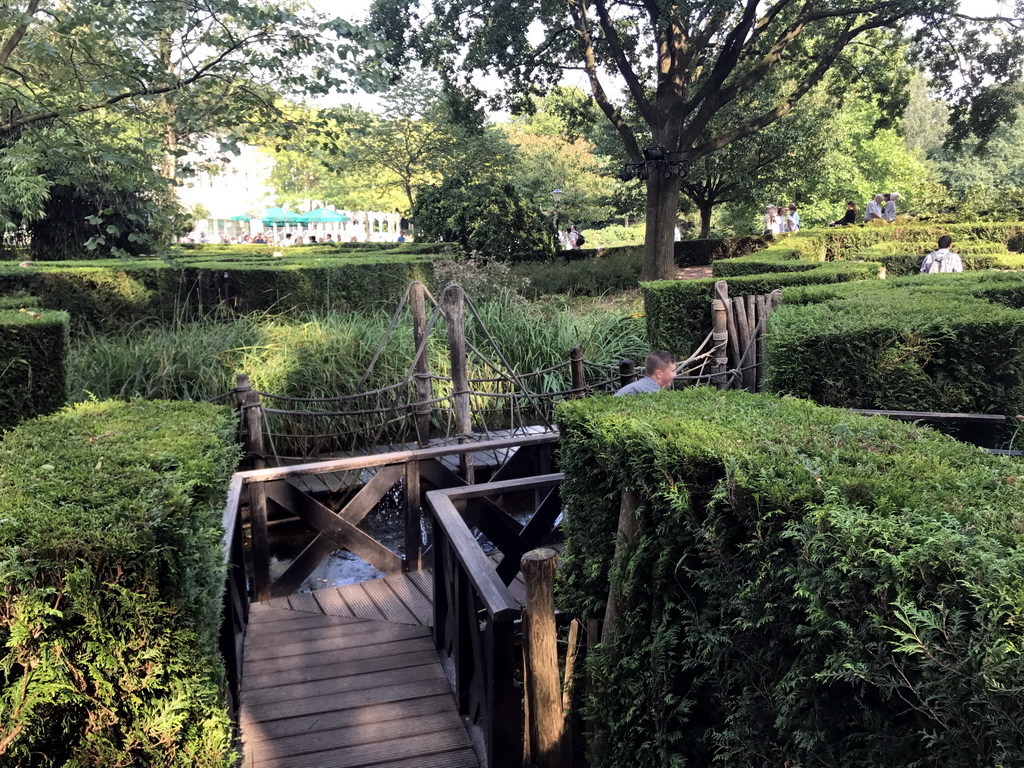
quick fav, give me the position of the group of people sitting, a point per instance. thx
(780, 218)
(881, 209)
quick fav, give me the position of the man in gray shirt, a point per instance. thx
(660, 367)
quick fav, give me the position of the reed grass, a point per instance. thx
(325, 355)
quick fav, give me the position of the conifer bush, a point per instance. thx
(113, 575)
(808, 587)
(33, 360)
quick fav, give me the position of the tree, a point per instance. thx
(182, 68)
(485, 217)
(682, 63)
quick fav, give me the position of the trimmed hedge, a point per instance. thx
(790, 255)
(111, 294)
(903, 259)
(807, 587)
(925, 343)
(33, 360)
(846, 240)
(110, 556)
(678, 312)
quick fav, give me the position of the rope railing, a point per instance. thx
(425, 403)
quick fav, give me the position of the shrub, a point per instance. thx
(678, 312)
(806, 587)
(112, 294)
(919, 343)
(618, 269)
(33, 361)
(110, 553)
(845, 240)
(790, 255)
(482, 280)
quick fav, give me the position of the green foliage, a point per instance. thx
(486, 218)
(786, 254)
(914, 343)
(842, 241)
(899, 258)
(617, 269)
(33, 361)
(690, 253)
(110, 294)
(679, 311)
(482, 280)
(110, 553)
(806, 587)
(614, 235)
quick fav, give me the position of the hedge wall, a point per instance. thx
(784, 255)
(841, 241)
(110, 556)
(112, 294)
(808, 587)
(688, 253)
(678, 312)
(925, 343)
(618, 269)
(33, 361)
(904, 259)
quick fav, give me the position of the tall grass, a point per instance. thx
(326, 355)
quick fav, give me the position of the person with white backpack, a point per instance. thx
(942, 260)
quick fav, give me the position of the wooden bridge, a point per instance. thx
(418, 668)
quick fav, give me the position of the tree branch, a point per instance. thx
(14, 40)
(613, 113)
(625, 67)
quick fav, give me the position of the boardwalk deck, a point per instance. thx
(335, 690)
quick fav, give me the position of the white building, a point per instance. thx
(240, 186)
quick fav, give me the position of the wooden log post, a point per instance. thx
(627, 372)
(413, 530)
(627, 528)
(540, 654)
(455, 316)
(421, 365)
(720, 334)
(743, 333)
(251, 418)
(579, 384)
(749, 373)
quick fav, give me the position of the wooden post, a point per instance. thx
(579, 384)
(720, 334)
(540, 653)
(421, 364)
(455, 317)
(413, 532)
(743, 333)
(627, 372)
(252, 435)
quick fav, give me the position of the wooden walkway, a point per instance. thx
(349, 677)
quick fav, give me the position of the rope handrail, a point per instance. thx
(339, 398)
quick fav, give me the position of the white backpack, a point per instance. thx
(939, 264)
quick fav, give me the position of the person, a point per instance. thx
(942, 260)
(574, 238)
(770, 223)
(563, 240)
(328, 238)
(202, 237)
(792, 223)
(889, 211)
(660, 367)
(874, 210)
(849, 218)
(401, 237)
(287, 240)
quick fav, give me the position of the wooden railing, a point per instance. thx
(475, 614)
(261, 490)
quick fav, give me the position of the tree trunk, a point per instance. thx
(659, 243)
(705, 219)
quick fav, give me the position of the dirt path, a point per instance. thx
(693, 273)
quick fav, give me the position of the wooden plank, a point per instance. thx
(296, 622)
(346, 718)
(360, 603)
(373, 694)
(348, 639)
(332, 602)
(404, 653)
(320, 679)
(387, 602)
(464, 758)
(368, 732)
(372, 754)
(304, 602)
(260, 669)
(404, 588)
(397, 457)
(424, 582)
(965, 418)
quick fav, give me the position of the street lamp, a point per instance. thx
(557, 195)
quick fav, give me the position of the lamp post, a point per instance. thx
(557, 195)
